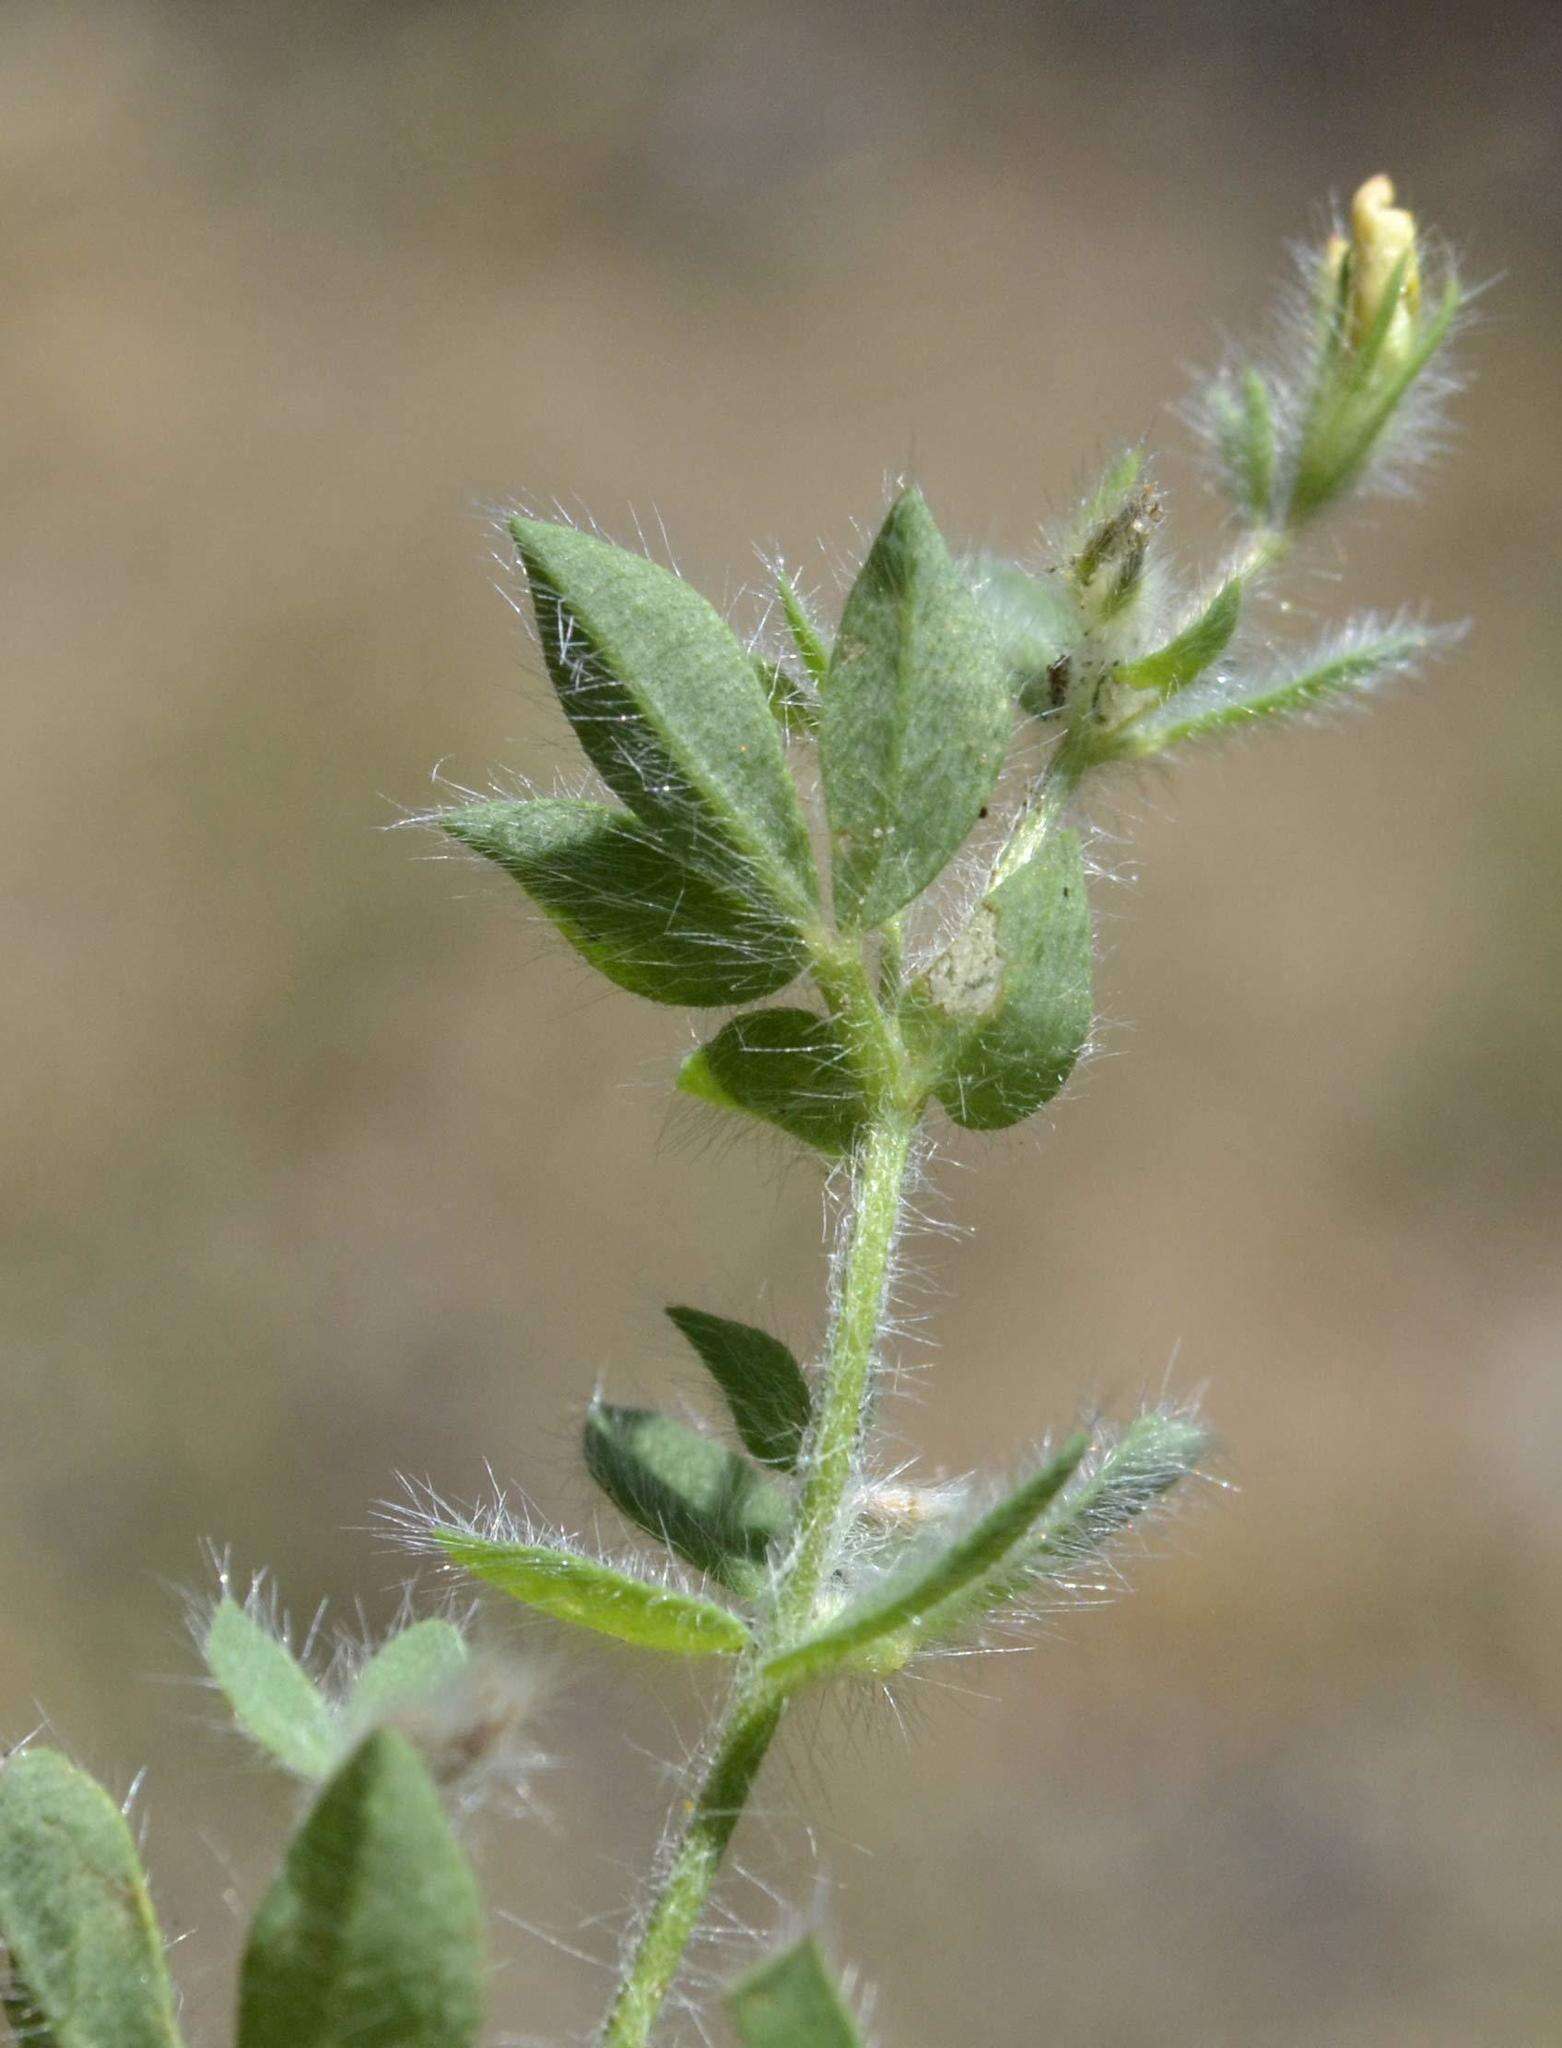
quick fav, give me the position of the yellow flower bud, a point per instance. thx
(1382, 236)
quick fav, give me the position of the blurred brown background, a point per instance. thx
(324, 1164)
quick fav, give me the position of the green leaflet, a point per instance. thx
(932, 1576)
(1127, 1474)
(669, 707)
(792, 707)
(595, 1596)
(415, 1663)
(273, 1698)
(916, 719)
(1175, 665)
(1034, 623)
(791, 2001)
(1218, 705)
(763, 1383)
(812, 648)
(1113, 532)
(1065, 1512)
(279, 1706)
(1101, 504)
(372, 1935)
(713, 1506)
(639, 914)
(1003, 1014)
(1122, 1477)
(86, 1966)
(788, 1067)
(1241, 414)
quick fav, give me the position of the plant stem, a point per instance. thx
(878, 1184)
(1044, 807)
(873, 1044)
(691, 1869)
(754, 1711)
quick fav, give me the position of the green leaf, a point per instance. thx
(916, 719)
(1112, 531)
(86, 1966)
(812, 649)
(764, 1385)
(415, 1663)
(274, 1700)
(1240, 414)
(1174, 666)
(372, 1935)
(1113, 487)
(791, 706)
(639, 914)
(668, 705)
(1062, 1516)
(930, 1576)
(788, 1067)
(1001, 1017)
(595, 1596)
(791, 2001)
(1034, 623)
(1122, 1478)
(711, 1505)
(1363, 657)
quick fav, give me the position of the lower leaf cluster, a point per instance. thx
(923, 1583)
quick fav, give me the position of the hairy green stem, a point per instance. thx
(879, 1177)
(691, 1868)
(872, 1042)
(1048, 800)
(878, 1190)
